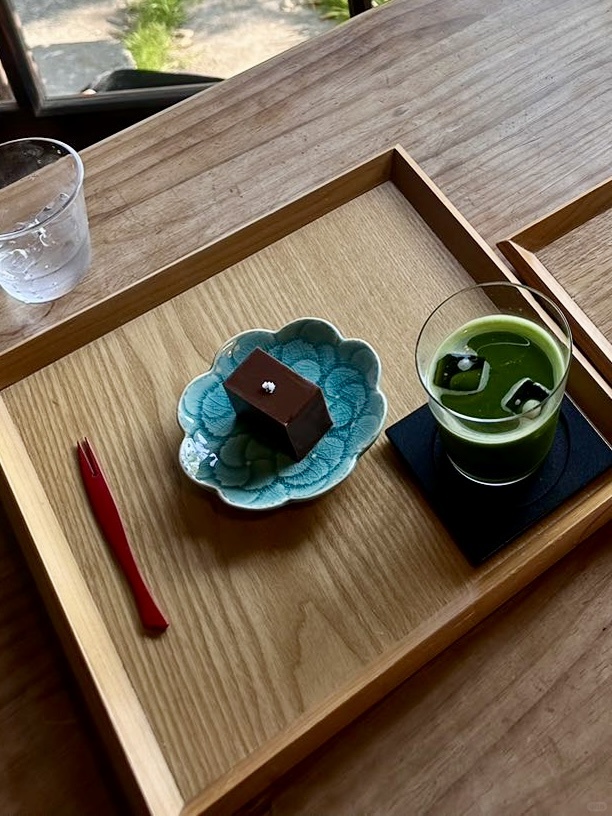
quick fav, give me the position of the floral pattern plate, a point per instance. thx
(219, 453)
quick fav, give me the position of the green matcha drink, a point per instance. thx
(495, 383)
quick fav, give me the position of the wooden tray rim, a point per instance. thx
(521, 250)
(125, 727)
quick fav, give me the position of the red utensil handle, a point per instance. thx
(108, 518)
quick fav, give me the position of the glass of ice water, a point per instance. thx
(44, 235)
(494, 361)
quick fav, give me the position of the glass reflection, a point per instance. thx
(5, 89)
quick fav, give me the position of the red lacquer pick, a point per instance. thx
(107, 515)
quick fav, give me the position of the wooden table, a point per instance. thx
(508, 108)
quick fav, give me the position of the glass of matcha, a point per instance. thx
(494, 360)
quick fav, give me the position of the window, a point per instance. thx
(86, 59)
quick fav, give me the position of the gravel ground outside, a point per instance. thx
(73, 42)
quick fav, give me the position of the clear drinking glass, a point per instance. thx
(495, 373)
(44, 235)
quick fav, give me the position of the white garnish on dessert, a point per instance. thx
(268, 386)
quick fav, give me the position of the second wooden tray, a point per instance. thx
(568, 255)
(284, 626)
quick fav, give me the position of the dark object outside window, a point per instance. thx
(84, 91)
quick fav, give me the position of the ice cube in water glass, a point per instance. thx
(460, 371)
(525, 398)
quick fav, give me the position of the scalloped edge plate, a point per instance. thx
(219, 454)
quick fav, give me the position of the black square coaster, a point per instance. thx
(483, 519)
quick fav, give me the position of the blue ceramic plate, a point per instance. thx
(219, 454)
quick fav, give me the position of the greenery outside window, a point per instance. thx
(87, 68)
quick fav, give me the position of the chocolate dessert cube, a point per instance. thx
(283, 409)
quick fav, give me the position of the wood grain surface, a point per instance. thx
(276, 615)
(49, 762)
(567, 255)
(582, 263)
(511, 719)
(358, 588)
(507, 106)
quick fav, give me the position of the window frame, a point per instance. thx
(30, 103)
(29, 93)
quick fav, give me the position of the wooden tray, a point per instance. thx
(568, 255)
(285, 625)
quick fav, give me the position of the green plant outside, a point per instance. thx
(149, 46)
(151, 27)
(338, 9)
(169, 13)
(152, 24)
(333, 9)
